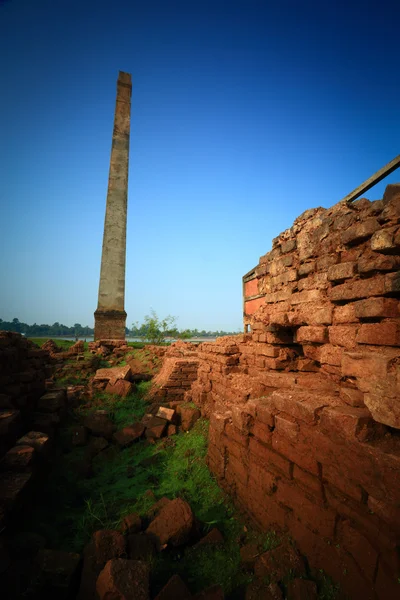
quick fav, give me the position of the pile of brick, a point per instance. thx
(304, 407)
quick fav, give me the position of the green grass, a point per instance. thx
(69, 508)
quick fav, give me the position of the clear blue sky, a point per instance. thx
(244, 114)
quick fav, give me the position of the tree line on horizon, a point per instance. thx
(146, 330)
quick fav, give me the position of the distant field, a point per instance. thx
(66, 344)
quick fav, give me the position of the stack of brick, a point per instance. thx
(174, 379)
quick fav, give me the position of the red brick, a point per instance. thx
(374, 529)
(352, 396)
(262, 432)
(314, 282)
(364, 364)
(359, 547)
(387, 512)
(250, 306)
(308, 296)
(264, 509)
(270, 351)
(301, 404)
(386, 333)
(341, 271)
(306, 268)
(343, 335)
(276, 380)
(316, 335)
(241, 418)
(251, 287)
(265, 411)
(377, 308)
(261, 477)
(280, 296)
(236, 471)
(237, 450)
(216, 462)
(387, 582)
(344, 314)
(310, 512)
(314, 314)
(332, 355)
(288, 246)
(383, 241)
(300, 453)
(360, 288)
(360, 231)
(287, 426)
(332, 559)
(315, 381)
(370, 262)
(340, 480)
(269, 458)
(308, 482)
(345, 421)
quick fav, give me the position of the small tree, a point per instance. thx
(154, 329)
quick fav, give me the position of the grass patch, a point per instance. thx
(62, 344)
(69, 508)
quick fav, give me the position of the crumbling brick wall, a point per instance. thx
(305, 408)
(23, 371)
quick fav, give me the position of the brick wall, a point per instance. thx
(305, 409)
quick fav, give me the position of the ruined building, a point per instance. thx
(305, 407)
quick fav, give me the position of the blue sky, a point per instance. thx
(244, 114)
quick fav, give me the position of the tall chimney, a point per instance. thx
(110, 316)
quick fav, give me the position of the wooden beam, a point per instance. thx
(373, 180)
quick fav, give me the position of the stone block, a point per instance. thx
(352, 396)
(343, 335)
(120, 388)
(332, 355)
(124, 579)
(371, 262)
(360, 288)
(364, 365)
(302, 405)
(360, 231)
(341, 271)
(359, 547)
(345, 421)
(113, 374)
(128, 435)
(19, 458)
(175, 588)
(52, 401)
(271, 460)
(312, 334)
(386, 333)
(276, 564)
(373, 308)
(37, 440)
(173, 523)
(383, 241)
(306, 268)
(132, 523)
